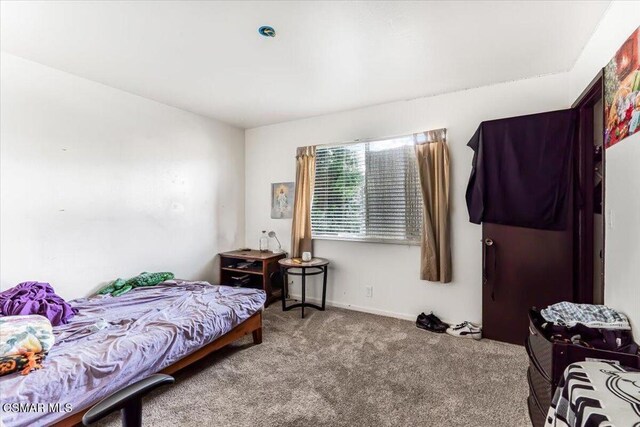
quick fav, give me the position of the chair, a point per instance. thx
(128, 400)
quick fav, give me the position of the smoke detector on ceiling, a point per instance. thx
(267, 31)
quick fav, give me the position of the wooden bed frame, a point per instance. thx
(252, 325)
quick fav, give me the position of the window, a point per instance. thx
(368, 191)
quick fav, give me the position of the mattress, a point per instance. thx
(114, 341)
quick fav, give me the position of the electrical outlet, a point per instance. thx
(368, 291)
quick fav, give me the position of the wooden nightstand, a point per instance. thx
(251, 269)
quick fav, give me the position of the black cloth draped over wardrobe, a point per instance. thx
(522, 170)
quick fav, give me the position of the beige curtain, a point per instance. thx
(305, 176)
(432, 155)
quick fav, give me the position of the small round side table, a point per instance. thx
(306, 268)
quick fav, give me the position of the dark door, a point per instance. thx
(522, 267)
(526, 267)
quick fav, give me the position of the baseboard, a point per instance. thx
(359, 308)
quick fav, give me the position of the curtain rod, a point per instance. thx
(363, 140)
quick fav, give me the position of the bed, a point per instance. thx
(114, 341)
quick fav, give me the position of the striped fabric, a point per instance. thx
(594, 394)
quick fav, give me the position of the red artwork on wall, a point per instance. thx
(622, 92)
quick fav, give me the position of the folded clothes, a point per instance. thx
(594, 316)
(36, 298)
(120, 286)
(25, 334)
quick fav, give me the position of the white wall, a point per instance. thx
(622, 213)
(620, 20)
(393, 270)
(97, 183)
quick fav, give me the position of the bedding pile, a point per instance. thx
(120, 286)
(24, 343)
(588, 325)
(569, 314)
(36, 298)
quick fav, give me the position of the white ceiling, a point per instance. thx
(207, 57)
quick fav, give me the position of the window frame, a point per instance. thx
(378, 240)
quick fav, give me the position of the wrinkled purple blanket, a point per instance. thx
(36, 298)
(113, 342)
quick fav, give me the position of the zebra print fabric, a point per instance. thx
(594, 394)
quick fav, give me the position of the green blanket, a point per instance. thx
(120, 286)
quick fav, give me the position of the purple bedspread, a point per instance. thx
(113, 341)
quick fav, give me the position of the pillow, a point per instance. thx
(36, 298)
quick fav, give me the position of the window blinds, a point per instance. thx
(367, 191)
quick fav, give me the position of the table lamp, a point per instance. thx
(279, 250)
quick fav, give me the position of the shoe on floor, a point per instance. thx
(431, 322)
(465, 330)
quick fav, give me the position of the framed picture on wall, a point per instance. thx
(282, 194)
(622, 92)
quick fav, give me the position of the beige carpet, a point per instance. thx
(344, 368)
